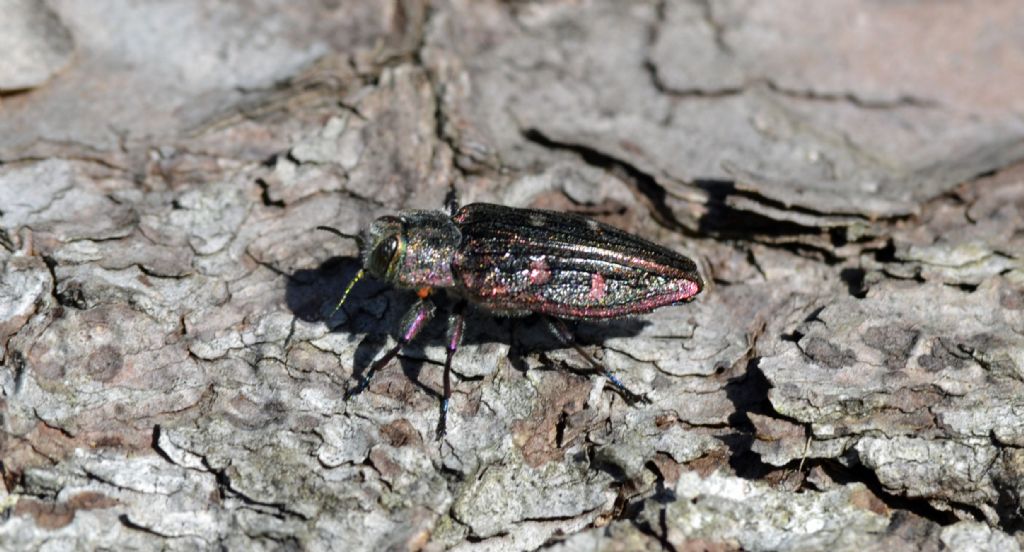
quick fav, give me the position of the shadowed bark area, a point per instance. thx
(850, 176)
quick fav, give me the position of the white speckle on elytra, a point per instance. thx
(539, 273)
(597, 287)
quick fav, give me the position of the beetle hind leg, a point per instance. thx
(564, 335)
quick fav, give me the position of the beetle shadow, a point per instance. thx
(375, 310)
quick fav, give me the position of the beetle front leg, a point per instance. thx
(456, 323)
(413, 321)
(563, 333)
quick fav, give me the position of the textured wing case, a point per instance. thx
(517, 261)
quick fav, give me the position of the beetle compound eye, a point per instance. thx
(393, 249)
(385, 257)
(390, 247)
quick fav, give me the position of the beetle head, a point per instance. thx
(411, 250)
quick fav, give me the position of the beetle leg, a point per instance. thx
(455, 326)
(563, 334)
(451, 201)
(412, 323)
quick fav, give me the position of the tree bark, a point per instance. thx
(848, 174)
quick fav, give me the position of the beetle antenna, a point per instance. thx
(359, 275)
(358, 239)
(348, 289)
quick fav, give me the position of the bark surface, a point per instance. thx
(849, 174)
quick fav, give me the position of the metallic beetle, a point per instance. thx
(514, 262)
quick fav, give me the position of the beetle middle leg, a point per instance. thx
(564, 335)
(413, 321)
(455, 326)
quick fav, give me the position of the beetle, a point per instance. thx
(513, 262)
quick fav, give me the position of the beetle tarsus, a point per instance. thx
(364, 380)
(630, 397)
